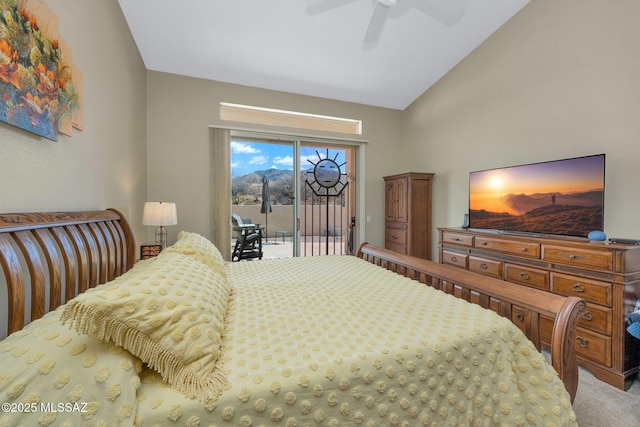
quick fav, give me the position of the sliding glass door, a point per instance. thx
(262, 190)
(308, 212)
(327, 202)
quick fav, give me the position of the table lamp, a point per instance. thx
(160, 214)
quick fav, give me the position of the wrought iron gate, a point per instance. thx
(328, 225)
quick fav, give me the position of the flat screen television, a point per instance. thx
(560, 197)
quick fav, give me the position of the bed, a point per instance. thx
(185, 338)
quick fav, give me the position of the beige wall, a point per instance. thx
(180, 111)
(559, 80)
(105, 164)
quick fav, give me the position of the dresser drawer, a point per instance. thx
(456, 259)
(523, 249)
(531, 277)
(401, 249)
(578, 257)
(593, 346)
(488, 267)
(519, 317)
(396, 236)
(397, 224)
(590, 345)
(590, 290)
(457, 239)
(597, 319)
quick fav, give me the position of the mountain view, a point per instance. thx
(247, 189)
(573, 214)
(251, 161)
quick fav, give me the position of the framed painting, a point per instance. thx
(36, 72)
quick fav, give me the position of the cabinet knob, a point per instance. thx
(454, 259)
(483, 266)
(573, 256)
(523, 249)
(577, 287)
(520, 317)
(524, 276)
(582, 342)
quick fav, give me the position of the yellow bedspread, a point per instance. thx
(334, 340)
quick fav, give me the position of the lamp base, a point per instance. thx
(161, 236)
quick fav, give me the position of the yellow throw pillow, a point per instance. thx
(53, 376)
(200, 248)
(169, 314)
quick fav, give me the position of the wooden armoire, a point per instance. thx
(408, 213)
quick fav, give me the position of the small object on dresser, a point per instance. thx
(624, 241)
(150, 250)
(465, 221)
(597, 236)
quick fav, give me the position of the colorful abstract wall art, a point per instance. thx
(37, 86)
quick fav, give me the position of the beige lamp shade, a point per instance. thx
(159, 214)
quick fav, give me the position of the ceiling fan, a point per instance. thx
(378, 19)
(448, 12)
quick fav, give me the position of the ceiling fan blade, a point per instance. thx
(448, 12)
(376, 23)
(318, 6)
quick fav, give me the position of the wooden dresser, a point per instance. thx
(408, 213)
(606, 276)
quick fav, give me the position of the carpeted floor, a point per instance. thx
(597, 404)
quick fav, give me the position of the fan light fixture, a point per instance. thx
(448, 12)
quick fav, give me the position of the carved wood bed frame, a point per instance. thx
(524, 306)
(49, 258)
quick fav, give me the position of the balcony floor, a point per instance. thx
(275, 248)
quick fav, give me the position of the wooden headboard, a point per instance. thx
(50, 257)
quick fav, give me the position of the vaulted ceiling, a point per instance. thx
(316, 47)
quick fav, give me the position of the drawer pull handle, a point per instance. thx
(582, 342)
(484, 243)
(455, 239)
(524, 276)
(523, 249)
(577, 287)
(394, 236)
(572, 256)
(520, 317)
(587, 316)
(454, 259)
(483, 266)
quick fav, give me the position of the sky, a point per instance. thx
(249, 156)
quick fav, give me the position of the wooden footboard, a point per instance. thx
(524, 306)
(50, 257)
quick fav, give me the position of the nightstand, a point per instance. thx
(150, 250)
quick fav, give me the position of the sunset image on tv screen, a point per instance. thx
(558, 197)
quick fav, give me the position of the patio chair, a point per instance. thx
(248, 239)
